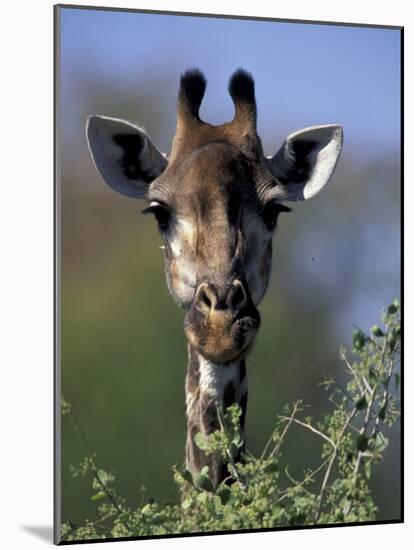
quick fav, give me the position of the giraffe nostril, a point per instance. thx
(237, 296)
(205, 298)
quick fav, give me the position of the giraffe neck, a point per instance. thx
(209, 385)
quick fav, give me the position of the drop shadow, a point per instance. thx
(44, 532)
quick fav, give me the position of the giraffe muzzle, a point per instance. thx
(221, 325)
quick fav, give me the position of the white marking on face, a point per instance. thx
(181, 276)
(175, 244)
(182, 284)
(187, 226)
(181, 233)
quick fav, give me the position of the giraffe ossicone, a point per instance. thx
(216, 198)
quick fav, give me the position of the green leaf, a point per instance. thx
(201, 481)
(224, 493)
(98, 496)
(187, 475)
(367, 469)
(373, 376)
(362, 443)
(376, 331)
(146, 510)
(238, 440)
(392, 341)
(361, 403)
(271, 467)
(103, 476)
(358, 340)
(186, 503)
(381, 443)
(277, 512)
(201, 441)
(202, 498)
(382, 411)
(392, 309)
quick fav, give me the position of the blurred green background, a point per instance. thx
(336, 260)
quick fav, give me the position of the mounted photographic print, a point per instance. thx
(228, 274)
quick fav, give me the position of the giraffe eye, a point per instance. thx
(271, 213)
(161, 212)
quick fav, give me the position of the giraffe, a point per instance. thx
(216, 198)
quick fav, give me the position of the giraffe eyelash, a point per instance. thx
(161, 212)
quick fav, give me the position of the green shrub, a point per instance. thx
(257, 494)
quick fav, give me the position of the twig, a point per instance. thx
(94, 468)
(385, 395)
(332, 380)
(276, 449)
(312, 429)
(364, 428)
(355, 375)
(294, 481)
(303, 482)
(268, 443)
(331, 463)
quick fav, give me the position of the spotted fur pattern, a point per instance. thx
(209, 386)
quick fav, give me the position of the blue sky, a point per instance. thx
(305, 73)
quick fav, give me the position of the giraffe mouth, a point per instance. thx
(222, 338)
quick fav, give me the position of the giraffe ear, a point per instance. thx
(124, 155)
(307, 160)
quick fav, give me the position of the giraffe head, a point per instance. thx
(217, 199)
